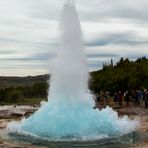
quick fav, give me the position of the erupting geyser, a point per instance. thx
(69, 114)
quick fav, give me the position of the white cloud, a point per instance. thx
(29, 31)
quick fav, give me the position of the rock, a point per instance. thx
(16, 115)
(3, 124)
(16, 112)
(9, 145)
(27, 114)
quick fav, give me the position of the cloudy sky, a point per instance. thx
(29, 32)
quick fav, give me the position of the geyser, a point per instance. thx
(69, 114)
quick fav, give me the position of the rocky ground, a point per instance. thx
(142, 115)
(9, 113)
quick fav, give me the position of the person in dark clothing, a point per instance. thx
(137, 98)
(126, 98)
(140, 97)
(133, 94)
(98, 97)
(120, 98)
(115, 99)
(146, 98)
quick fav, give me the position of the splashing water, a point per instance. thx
(68, 114)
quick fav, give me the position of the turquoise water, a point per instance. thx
(78, 123)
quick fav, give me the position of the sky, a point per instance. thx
(29, 33)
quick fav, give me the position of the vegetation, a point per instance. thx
(125, 75)
(20, 90)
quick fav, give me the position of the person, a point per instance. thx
(126, 98)
(97, 101)
(115, 99)
(133, 94)
(107, 95)
(137, 98)
(102, 99)
(146, 98)
(140, 97)
(120, 98)
(98, 97)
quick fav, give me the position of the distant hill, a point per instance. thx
(23, 90)
(6, 82)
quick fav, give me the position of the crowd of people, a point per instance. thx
(119, 99)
